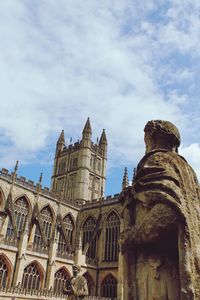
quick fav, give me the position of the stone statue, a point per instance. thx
(161, 238)
(77, 287)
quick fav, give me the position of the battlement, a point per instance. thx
(77, 145)
(29, 184)
(103, 201)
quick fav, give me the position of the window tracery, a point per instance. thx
(88, 230)
(3, 272)
(109, 287)
(31, 278)
(69, 227)
(112, 235)
(21, 213)
(60, 280)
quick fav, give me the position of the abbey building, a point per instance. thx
(43, 231)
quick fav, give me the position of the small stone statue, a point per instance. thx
(161, 239)
(77, 287)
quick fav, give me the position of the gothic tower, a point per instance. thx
(79, 171)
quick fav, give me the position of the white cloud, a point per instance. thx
(61, 61)
(192, 154)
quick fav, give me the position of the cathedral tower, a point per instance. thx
(79, 171)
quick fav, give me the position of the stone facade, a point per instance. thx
(43, 231)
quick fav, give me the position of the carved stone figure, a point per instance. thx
(77, 287)
(161, 239)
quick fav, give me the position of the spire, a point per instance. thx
(60, 143)
(103, 138)
(61, 139)
(87, 128)
(134, 173)
(125, 182)
(103, 144)
(87, 134)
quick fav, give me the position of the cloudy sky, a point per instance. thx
(121, 62)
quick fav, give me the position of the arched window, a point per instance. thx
(3, 272)
(60, 280)
(47, 218)
(69, 227)
(109, 287)
(88, 230)
(21, 212)
(112, 235)
(32, 278)
(90, 284)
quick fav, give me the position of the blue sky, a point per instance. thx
(120, 62)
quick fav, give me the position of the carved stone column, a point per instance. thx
(51, 263)
(21, 261)
(32, 234)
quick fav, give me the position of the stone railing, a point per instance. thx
(11, 241)
(17, 292)
(64, 254)
(39, 248)
(22, 181)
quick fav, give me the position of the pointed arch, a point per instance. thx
(86, 218)
(109, 286)
(88, 229)
(90, 283)
(61, 277)
(112, 230)
(47, 216)
(112, 210)
(6, 270)
(66, 232)
(33, 276)
(30, 208)
(22, 210)
(2, 198)
(50, 208)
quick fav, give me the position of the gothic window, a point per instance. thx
(9, 232)
(112, 235)
(3, 272)
(21, 213)
(88, 230)
(47, 219)
(60, 279)
(60, 184)
(109, 287)
(69, 227)
(31, 278)
(62, 166)
(74, 163)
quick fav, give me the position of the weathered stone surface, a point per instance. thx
(161, 238)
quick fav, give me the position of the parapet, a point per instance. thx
(29, 184)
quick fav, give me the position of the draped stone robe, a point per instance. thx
(163, 259)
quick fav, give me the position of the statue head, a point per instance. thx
(161, 134)
(76, 269)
